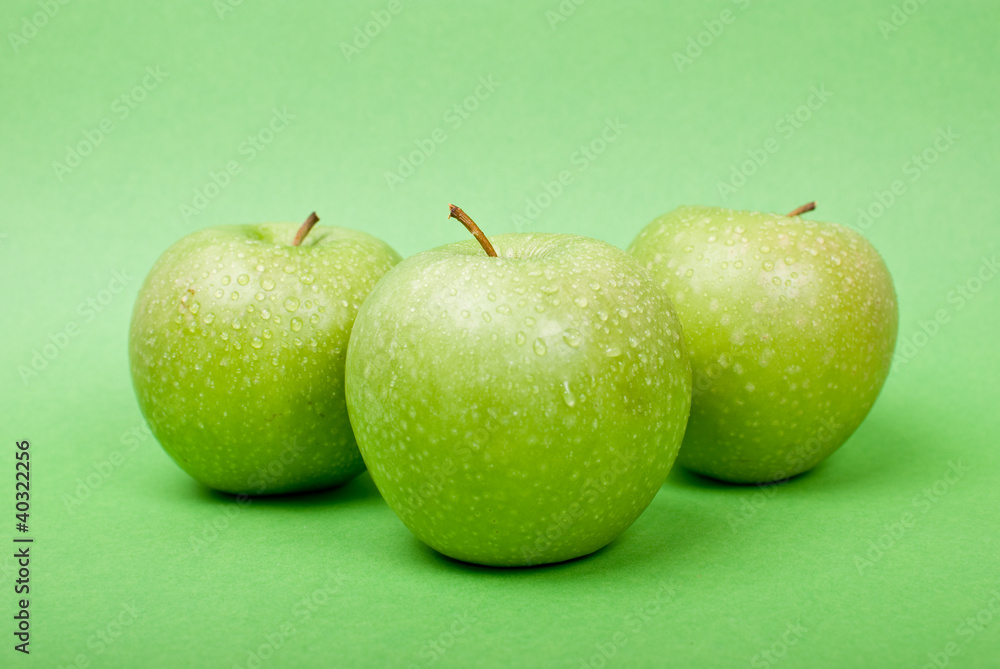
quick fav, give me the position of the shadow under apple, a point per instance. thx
(664, 534)
(360, 490)
(864, 461)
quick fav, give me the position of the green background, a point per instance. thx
(710, 575)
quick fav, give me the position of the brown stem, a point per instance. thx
(470, 225)
(305, 228)
(808, 206)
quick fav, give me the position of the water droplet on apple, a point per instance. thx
(243, 279)
(220, 293)
(503, 309)
(568, 396)
(768, 265)
(237, 323)
(520, 338)
(539, 347)
(765, 249)
(307, 279)
(465, 313)
(314, 319)
(613, 351)
(487, 317)
(291, 303)
(529, 320)
(259, 296)
(572, 337)
(267, 333)
(194, 307)
(580, 302)
(256, 342)
(235, 295)
(225, 280)
(267, 284)
(289, 269)
(208, 319)
(738, 264)
(549, 290)
(296, 324)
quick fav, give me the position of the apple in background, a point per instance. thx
(790, 325)
(237, 348)
(519, 402)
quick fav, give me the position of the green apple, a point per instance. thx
(521, 405)
(790, 325)
(237, 348)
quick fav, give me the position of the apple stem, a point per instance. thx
(808, 206)
(305, 228)
(470, 225)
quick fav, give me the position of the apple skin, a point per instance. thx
(237, 349)
(790, 325)
(522, 409)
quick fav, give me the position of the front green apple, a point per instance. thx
(520, 409)
(790, 326)
(237, 350)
